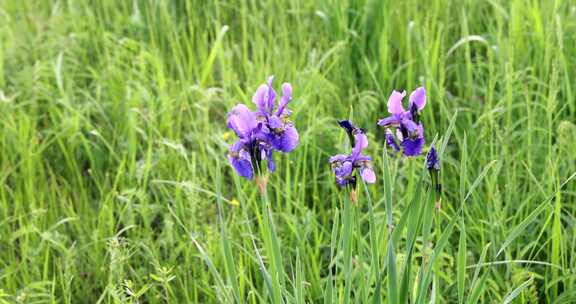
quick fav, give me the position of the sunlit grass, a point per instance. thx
(115, 187)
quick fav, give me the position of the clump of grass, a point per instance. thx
(111, 127)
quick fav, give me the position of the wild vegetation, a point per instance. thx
(115, 186)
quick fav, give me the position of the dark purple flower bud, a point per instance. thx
(433, 166)
(432, 161)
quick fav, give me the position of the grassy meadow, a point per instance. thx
(115, 186)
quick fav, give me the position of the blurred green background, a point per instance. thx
(113, 139)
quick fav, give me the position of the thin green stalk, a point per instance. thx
(272, 245)
(374, 241)
(347, 247)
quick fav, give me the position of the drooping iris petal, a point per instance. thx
(413, 146)
(240, 160)
(344, 171)
(285, 99)
(241, 120)
(264, 97)
(418, 98)
(391, 141)
(395, 102)
(367, 174)
(287, 140)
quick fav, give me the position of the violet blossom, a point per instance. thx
(261, 132)
(345, 167)
(409, 129)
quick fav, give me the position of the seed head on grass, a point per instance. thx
(409, 129)
(261, 132)
(345, 167)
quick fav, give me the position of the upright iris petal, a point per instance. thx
(395, 102)
(285, 99)
(418, 98)
(265, 96)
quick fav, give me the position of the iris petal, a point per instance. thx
(418, 97)
(395, 102)
(368, 175)
(240, 160)
(285, 99)
(389, 121)
(264, 97)
(413, 146)
(242, 120)
(287, 140)
(361, 142)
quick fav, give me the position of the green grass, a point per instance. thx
(115, 187)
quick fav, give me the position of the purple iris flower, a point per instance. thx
(252, 146)
(409, 129)
(261, 132)
(280, 130)
(345, 166)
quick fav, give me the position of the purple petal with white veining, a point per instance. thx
(240, 160)
(287, 140)
(337, 158)
(413, 146)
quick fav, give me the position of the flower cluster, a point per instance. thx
(261, 132)
(408, 128)
(345, 166)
